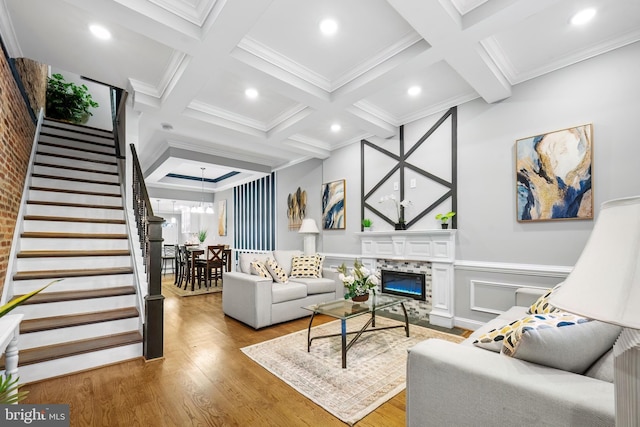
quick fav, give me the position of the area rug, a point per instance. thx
(376, 365)
(188, 293)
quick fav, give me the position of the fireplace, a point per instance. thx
(404, 284)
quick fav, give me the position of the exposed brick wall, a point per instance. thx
(34, 79)
(16, 138)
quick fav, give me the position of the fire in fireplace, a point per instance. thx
(404, 284)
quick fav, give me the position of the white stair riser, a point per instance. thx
(69, 151)
(71, 185)
(74, 212)
(61, 161)
(75, 333)
(81, 145)
(66, 173)
(81, 362)
(37, 311)
(85, 136)
(90, 199)
(73, 227)
(74, 283)
(71, 263)
(72, 244)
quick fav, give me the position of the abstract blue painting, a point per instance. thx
(553, 173)
(333, 205)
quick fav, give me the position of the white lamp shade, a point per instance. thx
(308, 226)
(605, 282)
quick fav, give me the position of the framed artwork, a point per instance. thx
(333, 205)
(553, 175)
(296, 208)
(222, 217)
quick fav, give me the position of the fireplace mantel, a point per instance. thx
(410, 245)
(434, 246)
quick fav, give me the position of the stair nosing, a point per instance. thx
(68, 321)
(58, 274)
(61, 296)
(73, 205)
(74, 253)
(66, 178)
(73, 219)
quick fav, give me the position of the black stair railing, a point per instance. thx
(150, 234)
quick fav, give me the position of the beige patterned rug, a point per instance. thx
(376, 365)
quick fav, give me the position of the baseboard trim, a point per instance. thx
(464, 323)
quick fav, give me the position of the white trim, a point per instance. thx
(556, 271)
(462, 322)
(472, 293)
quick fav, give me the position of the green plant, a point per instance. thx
(445, 217)
(366, 222)
(358, 280)
(68, 101)
(202, 235)
(9, 386)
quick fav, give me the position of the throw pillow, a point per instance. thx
(305, 266)
(257, 268)
(561, 340)
(277, 272)
(320, 259)
(493, 339)
(542, 306)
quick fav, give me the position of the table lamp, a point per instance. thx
(605, 285)
(309, 229)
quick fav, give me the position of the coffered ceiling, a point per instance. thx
(188, 63)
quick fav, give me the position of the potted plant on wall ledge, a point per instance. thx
(444, 218)
(67, 101)
(366, 224)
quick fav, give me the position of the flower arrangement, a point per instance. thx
(398, 206)
(358, 280)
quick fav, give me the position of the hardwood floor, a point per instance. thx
(203, 380)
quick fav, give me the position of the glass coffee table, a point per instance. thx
(347, 309)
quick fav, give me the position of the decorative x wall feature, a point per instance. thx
(407, 159)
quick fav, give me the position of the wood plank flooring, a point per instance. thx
(203, 380)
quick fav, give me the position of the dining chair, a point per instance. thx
(214, 264)
(168, 257)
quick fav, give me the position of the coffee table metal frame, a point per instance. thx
(347, 309)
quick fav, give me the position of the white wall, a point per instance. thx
(228, 196)
(101, 117)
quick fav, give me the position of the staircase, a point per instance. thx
(74, 229)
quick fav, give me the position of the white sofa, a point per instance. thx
(260, 302)
(462, 385)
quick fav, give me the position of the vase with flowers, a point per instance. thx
(358, 281)
(399, 209)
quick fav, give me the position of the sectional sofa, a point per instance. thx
(259, 301)
(467, 385)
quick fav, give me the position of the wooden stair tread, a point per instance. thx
(54, 235)
(73, 205)
(84, 141)
(57, 322)
(57, 274)
(58, 351)
(78, 128)
(72, 219)
(80, 159)
(68, 178)
(68, 147)
(46, 297)
(74, 168)
(77, 253)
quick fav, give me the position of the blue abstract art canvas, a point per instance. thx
(333, 205)
(553, 172)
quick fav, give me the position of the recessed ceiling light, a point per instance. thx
(335, 127)
(100, 32)
(414, 90)
(583, 16)
(251, 93)
(328, 27)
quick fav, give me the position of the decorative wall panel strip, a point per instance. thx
(254, 214)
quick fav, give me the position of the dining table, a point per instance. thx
(196, 252)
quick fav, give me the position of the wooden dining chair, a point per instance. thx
(214, 264)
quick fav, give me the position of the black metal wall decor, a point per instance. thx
(403, 161)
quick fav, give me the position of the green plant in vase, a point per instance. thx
(68, 101)
(202, 236)
(444, 218)
(366, 224)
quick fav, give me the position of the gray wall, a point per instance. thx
(495, 253)
(217, 197)
(308, 176)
